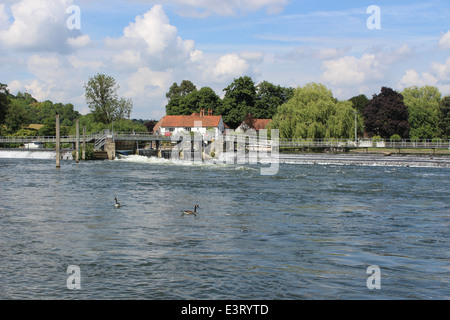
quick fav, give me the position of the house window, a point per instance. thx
(171, 129)
(188, 129)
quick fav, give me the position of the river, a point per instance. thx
(310, 231)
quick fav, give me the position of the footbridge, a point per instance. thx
(107, 144)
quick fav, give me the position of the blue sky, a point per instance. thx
(147, 45)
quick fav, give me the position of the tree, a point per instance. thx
(102, 99)
(444, 117)
(313, 112)
(180, 91)
(268, 98)
(16, 116)
(239, 100)
(423, 109)
(205, 98)
(386, 115)
(359, 102)
(4, 102)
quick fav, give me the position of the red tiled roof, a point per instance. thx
(261, 123)
(188, 121)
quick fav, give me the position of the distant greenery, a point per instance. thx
(313, 112)
(305, 112)
(242, 97)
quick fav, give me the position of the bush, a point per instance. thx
(89, 152)
(376, 139)
(396, 137)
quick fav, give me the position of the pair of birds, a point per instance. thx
(185, 212)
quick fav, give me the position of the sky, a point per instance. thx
(50, 48)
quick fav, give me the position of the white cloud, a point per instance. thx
(444, 42)
(147, 83)
(79, 42)
(442, 71)
(39, 90)
(412, 78)
(38, 25)
(350, 71)
(4, 19)
(152, 40)
(230, 65)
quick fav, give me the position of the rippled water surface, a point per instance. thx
(308, 232)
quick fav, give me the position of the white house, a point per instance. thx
(211, 127)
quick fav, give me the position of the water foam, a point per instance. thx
(24, 154)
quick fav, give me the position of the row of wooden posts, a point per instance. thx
(77, 143)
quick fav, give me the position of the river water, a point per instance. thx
(308, 232)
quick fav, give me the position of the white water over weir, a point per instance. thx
(367, 160)
(27, 154)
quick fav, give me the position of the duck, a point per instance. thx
(117, 205)
(189, 212)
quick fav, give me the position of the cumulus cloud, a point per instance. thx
(152, 40)
(413, 78)
(230, 65)
(37, 25)
(79, 42)
(351, 71)
(444, 42)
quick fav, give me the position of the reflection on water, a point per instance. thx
(309, 232)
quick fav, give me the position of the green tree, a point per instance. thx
(239, 100)
(313, 112)
(16, 116)
(359, 102)
(49, 128)
(444, 117)
(180, 91)
(4, 102)
(268, 98)
(205, 98)
(102, 99)
(386, 114)
(423, 107)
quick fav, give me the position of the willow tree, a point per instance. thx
(423, 108)
(102, 99)
(313, 112)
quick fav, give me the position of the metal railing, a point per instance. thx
(367, 143)
(100, 137)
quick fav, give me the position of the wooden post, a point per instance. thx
(58, 139)
(77, 141)
(83, 152)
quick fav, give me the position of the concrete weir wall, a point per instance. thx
(110, 148)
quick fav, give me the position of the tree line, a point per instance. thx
(310, 111)
(108, 111)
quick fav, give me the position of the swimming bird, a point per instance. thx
(117, 205)
(189, 212)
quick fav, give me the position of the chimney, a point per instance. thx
(210, 112)
(202, 112)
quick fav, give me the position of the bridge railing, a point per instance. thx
(367, 143)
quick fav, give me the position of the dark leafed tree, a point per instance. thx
(4, 101)
(386, 115)
(444, 117)
(102, 99)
